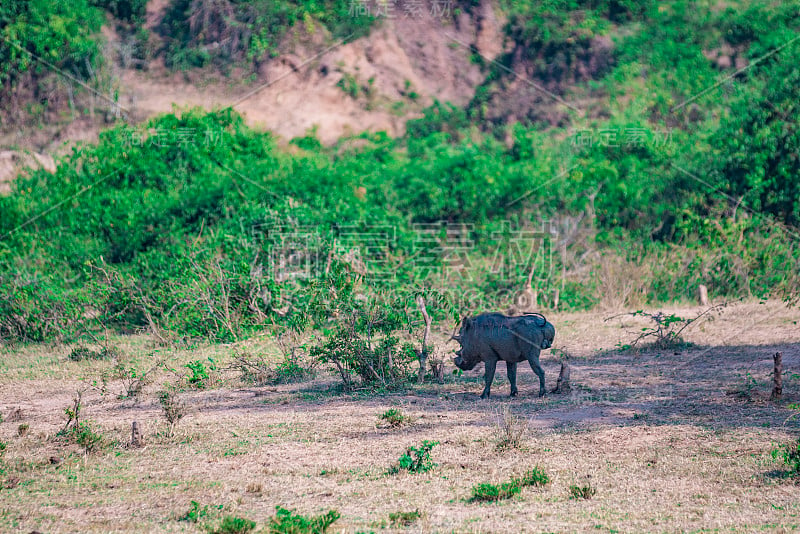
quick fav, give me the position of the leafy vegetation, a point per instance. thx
(233, 525)
(288, 522)
(493, 492)
(416, 459)
(790, 455)
(63, 34)
(404, 519)
(195, 226)
(395, 418)
(202, 32)
(587, 491)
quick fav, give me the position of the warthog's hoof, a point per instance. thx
(514, 393)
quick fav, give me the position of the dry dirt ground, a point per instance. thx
(672, 441)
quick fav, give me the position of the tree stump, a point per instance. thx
(562, 384)
(777, 378)
(702, 295)
(137, 439)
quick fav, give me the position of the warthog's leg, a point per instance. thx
(512, 377)
(533, 359)
(488, 377)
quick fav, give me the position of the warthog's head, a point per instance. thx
(466, 357)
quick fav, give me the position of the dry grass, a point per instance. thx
(667, 449)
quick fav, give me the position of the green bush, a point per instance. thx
(233, 525)
(416, 459)
(395, 418)
(288, 522)
(586, 491)
(493, 492)
(249, 30)
(63, 34)
(404, 519)
(790, 455)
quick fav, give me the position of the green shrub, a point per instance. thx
(790, 455)
(288, 522)
(197, 512)
(249, 31)
(586, 491)
(65, 34)
(395, 418)
(404, 519)
(234, 525)
(416, 459)
(493, 492)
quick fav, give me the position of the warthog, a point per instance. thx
(493, 336)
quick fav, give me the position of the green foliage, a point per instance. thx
(349, 84)
(416, 459)
(666, 330)
(63, 34)
(81, 353)
(233, 525)
(131, 11)
(199, 373)
(404, 519)
(586, 491)
(493, 492)
(199, 33)
(790, 455)
(195, 513)
(288, 522)
(88, 438)
(395, 418)
(179, 231)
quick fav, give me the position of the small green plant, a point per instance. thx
(73, 413)
(416, 459)
(666, 330)
(199, 373)
(288, 522)
(747, 390)
(586, 491)
(234, 525)
(492, 492)
(404, 518)
(87, 438)
(173, 410)
(22, 429)
(790, 454)
(133, 380)
(291, 370)
(487, 492)
(80, 432)
(349, 84)
(534, 477)
(195, 513)
(394, 418)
